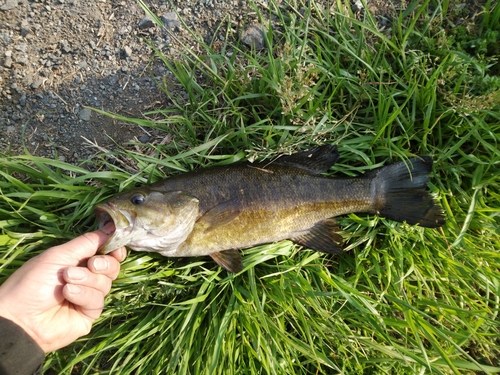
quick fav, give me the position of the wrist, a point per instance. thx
(6, 314)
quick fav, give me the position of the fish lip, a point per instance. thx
(106, 213)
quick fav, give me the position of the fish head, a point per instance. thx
(148, 220)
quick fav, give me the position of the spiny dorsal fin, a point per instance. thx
(314, 161)
(322, 237)
(230, 260)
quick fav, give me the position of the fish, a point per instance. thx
(220, 210)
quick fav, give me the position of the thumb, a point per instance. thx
(84, 246)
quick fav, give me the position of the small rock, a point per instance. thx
(22, 47)
(127, 51)
(144, 138)
(170, 21)
(21, 59)
(37, 83)
(146, 23)
(65, 46)
(96, 16)
(25, 31)
(114, 80)
(8, 59)
(357, 6)
(253, 37)
(9, 4)
(16, 116)
(85, 114)
(22, 100)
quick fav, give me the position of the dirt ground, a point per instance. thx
(58, 57)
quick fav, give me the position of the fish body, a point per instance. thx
(216, 211)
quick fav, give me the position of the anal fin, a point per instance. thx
(322, 237)
(230, 260)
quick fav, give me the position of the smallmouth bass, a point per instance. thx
(216, 211)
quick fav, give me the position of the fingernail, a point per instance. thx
(100, 263)
(74, 289)
(77, 273)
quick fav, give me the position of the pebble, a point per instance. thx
(37, 83)
(145, 23)
(7, 62)
(357, 6)
(9, 4)
(22, 47)
(253, 37)
(85, 114)
(170, 21)
(21, 58)
(25, 31)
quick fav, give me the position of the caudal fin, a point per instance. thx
(402, 194)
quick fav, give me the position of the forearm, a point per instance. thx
(19, 353)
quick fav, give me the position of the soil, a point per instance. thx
(59, 57)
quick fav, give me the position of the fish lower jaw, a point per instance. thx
(170, 251)
(151, 243)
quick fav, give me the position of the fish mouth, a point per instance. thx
(103, 216)
(108, 213)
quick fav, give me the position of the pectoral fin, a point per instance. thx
(220, 215)
(322, 237)
(230, 260)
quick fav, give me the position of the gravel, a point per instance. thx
(58, 58)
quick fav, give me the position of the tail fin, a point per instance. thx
(402, 194)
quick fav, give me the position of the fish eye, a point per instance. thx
(137, 199)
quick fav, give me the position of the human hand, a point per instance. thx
(56, 296)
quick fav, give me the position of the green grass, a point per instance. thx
(401, 300)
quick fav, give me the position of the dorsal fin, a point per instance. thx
(314, 161)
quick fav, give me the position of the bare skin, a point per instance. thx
(56, 296)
